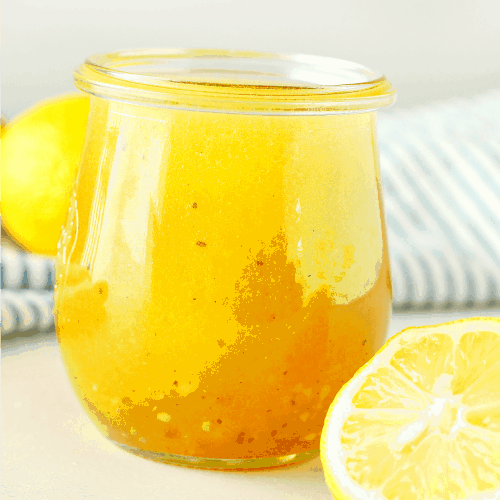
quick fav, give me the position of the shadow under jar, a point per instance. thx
(224, 269)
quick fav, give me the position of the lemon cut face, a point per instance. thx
(421, 420)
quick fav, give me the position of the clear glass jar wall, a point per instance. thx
(222, 271)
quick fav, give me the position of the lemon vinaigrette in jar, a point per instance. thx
(223, 270)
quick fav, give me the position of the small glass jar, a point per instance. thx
(224, 268)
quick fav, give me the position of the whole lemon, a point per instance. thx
(41, 150)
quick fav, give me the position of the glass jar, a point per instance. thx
(224, 269)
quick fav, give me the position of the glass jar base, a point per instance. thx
(222, 463)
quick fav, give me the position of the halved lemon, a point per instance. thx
(421, 420)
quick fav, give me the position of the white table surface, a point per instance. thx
(50, 450)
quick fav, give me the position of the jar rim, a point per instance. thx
(235, 81)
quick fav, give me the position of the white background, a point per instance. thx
(430, 49)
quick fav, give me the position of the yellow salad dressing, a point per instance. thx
(221, 276)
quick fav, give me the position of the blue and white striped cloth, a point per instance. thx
(441, 176)
(27, 292)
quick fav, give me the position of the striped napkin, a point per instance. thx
(27, 292)
(441, 177)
